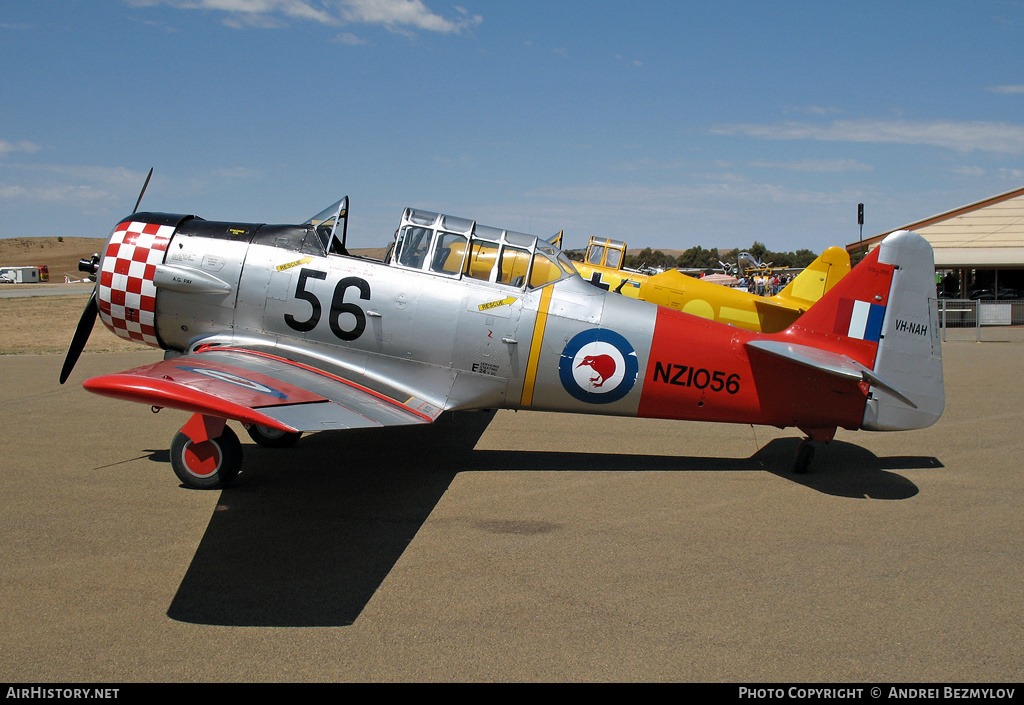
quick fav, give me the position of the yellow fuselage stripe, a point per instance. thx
(535, 345)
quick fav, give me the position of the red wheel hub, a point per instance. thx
(202, 459)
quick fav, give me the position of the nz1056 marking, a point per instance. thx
(338, 305)
(687, 376)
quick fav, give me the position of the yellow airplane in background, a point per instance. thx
(603, 267)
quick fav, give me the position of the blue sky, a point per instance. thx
(666, 124)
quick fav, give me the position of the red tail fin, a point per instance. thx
(883, 315)
(849, 318)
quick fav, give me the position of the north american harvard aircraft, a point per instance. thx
(279, 328)
(603, 266)
(747, 265)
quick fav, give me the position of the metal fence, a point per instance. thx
(981, 321)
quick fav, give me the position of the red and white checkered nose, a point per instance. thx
(127, 294)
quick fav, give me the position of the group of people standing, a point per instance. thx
(765, 284)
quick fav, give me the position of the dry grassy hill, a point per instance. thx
(61, 255)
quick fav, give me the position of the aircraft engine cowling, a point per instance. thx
(164, 280)
(126, 294)
(167, 280)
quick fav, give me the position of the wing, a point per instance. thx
(257, 387)
(775, 304)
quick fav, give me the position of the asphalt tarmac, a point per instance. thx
(20, 291)
(535, 547)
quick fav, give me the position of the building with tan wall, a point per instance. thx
(979, 248)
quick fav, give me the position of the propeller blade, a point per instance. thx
(143, 191)
(81, 337)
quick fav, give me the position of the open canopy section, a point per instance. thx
(332, 226)
(604, 252)
(459, 248)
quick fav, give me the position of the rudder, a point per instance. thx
(817, 279)
(910, 349)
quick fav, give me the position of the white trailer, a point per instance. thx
(19, 275)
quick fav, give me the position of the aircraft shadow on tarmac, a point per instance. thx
(309, 544)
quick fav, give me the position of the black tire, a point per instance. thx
(804, 456)
(271, 437)
(210, 465)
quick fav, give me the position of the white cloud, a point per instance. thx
(833, 166)
(394, 15)
(248, 11)
(722, 199)
(65, 194)
(1006, 89)
(968, 171)
(350, 39)
(724, 211)
(999, 137)
(239, 172)
(398, 15)
(22, 146)
(109, 177)
(812, 110)
(647, 164)
(77, 186)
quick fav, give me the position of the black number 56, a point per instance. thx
(338, 305)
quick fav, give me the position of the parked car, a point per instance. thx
(1002, 293)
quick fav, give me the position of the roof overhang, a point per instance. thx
(979, 257)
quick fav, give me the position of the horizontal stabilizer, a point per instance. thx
(827, 362)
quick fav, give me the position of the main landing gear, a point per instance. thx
(272, 437)
(206, 453)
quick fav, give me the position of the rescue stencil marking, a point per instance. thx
(494, 304)
(598, 366)
(296, 263)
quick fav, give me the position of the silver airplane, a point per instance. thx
(279, 328)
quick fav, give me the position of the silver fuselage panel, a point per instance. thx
(451, 317)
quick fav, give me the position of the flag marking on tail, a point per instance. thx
(860, 319)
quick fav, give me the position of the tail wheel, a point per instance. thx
(272, 437)
(212, 464)
(804, 456)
